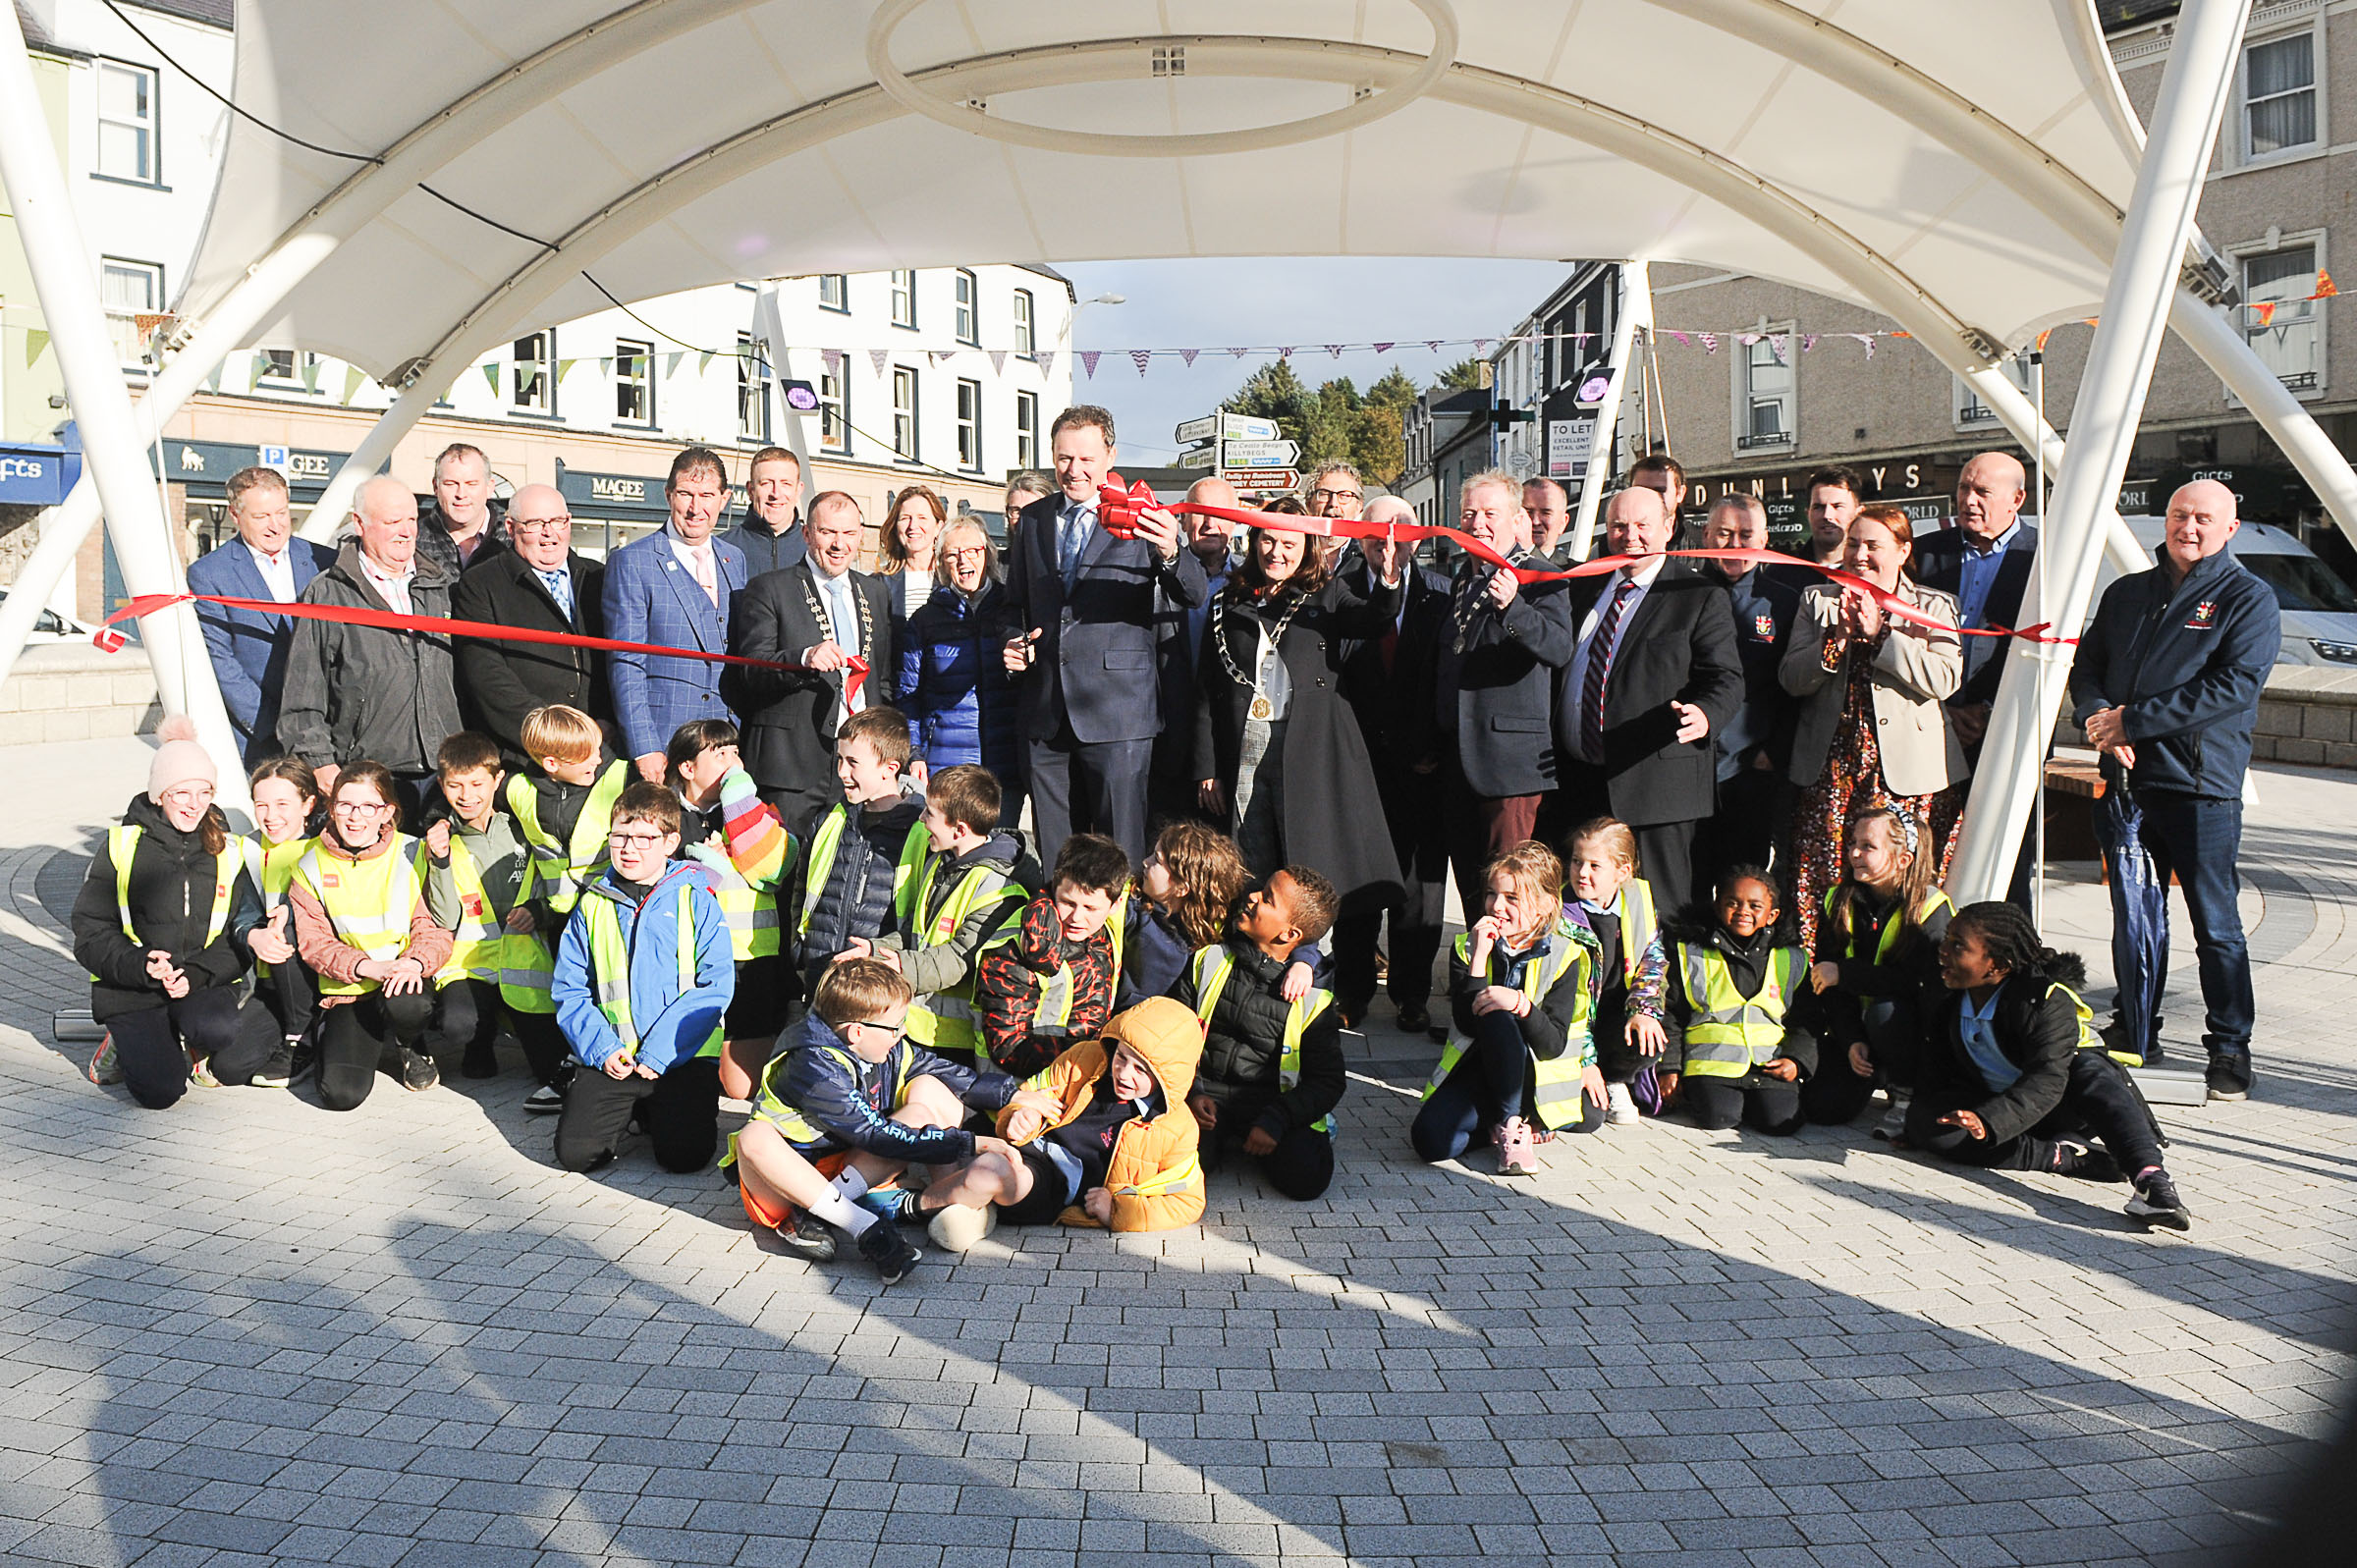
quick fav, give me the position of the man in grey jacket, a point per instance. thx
(356, 691)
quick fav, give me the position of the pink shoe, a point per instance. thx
(1517, 1151)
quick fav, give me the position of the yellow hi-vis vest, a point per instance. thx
(610, 966)
(945, 1019)
(1729, 1034)
(1556, 1079)
(753, 911)
(829, 839)
(272, 867)
(2089, 1039)
(1638, 923)
(481, 948)
(1887, 938)
(1211, 967)
(123, 842)
(368, 904)
(563, 868)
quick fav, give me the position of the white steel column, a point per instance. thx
(112, 451)
(2194, 89)
(1636, 309)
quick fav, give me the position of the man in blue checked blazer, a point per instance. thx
(265, 561)
(673, 588)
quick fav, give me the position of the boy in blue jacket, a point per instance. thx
(644, 974)
(2167, 681)
(851, 1103)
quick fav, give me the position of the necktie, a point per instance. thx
(1070, 532)
(560, 588)
(1600, 667)
(707, 575)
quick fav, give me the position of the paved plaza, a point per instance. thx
(250, 1330)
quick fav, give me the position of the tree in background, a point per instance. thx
(1335, 422)
(1466, 375)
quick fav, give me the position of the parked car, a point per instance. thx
(50, 626)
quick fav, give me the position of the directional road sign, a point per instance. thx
(1234, 454)
(1263, 480)
(1244, 426)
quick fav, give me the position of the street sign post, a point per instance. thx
(1235, 426)
(1235, 454)
(1262, 481)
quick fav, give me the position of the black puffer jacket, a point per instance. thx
(1246, 1038)
(856, 897)
(172, 882)
(2037, 1028)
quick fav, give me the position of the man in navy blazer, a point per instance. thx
(265, 561)
(673, 588)
(1983, 564)
(1080, 629)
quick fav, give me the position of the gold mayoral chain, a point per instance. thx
(1262, 708)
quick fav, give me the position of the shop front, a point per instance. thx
(610, 510)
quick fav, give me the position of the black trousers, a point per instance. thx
(291, 992)
(468, 1014)
(1412, 812)
(1495, 1078)
(1892, 1035)
(366, 1036)
(1754, 1101)
(2100, 1100)
(1300, 1167)
(1089, 787)
(680, 1111)
(150, 1045)
(1665, 849)
(1752, 827)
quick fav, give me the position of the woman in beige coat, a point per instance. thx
(1873, 728)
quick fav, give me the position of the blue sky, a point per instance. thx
(1208, 303)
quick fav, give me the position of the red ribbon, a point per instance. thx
(360, 616)
(1119, 510)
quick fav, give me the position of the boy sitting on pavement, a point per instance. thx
(1118, 1152)
(850, 1104)
(644, 974)
(1272, 1068)
(1054, 983)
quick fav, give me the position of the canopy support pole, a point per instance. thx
(2194, 87)
(112, 451)
(1635, 309)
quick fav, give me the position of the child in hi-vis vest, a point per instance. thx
(1736, 990)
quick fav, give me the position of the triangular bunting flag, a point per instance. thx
(564, 367)
(1139, 356)
(938, 356)
(1866, 338)
(1383, 348)
(1335, 349)
(703, 362)
(877, 357)
(2264, 310)
(1747, 338)
(254, 378)
(2324, 286)
(213, 383)
(1047, 361)
(1683, 341)
(354, 375)
(671, 363)
(1710, 341)
(36, 344)
(491, 375)
(605, 364)
(1088, 360)
(1780, 344)
(1286, 352)
(1239, 352)
(311, 375)
(998, 361)
(1188, 357)
(1434, 343)
(1481, 346)
(1808, 343)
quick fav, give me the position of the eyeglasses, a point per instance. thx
(968, 552)
(634, 841)
(529, 525)
(360, 808)
(896, 1031)
(1336, 495)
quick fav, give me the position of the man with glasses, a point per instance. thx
(541, 585)
(1336, 490)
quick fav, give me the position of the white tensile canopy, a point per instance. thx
(1965, 169)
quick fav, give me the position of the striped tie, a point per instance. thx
(1600, 668)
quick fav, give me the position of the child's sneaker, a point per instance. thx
(545, 1100)
(278, 1070)
(1620, 1106)
(201, 1073)
(2085, 1161)
(1515, 1156)
(105, 1066)
(1894, 1121)
(418, 1071)
(892, 1204)
(893, 1254)
(2157, 1201)
(957, 1227)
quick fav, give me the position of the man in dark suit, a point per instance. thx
(1495, 658)
(265, 561)
(1081, 631)
(1388, 680)
(539, 584)
(1983, 564)
(821, 612)
(1654, 675)
(1755, 744)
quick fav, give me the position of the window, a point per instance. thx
(1765, 394)
(752, 392)
(2284, 326)
(834, 292)
(634, 383)
(970, 425)
(904, 299)
(1024, 341)
(2279, 95)
(127, 115)
(276, 364)
(1971, 413)
(535, 388)
(130, 290)
(969, 309)
(834, 412)
(904, 413)
(1026, 430)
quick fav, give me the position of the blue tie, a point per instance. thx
(1072, 530)
(560, 588)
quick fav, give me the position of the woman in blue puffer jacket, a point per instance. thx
(954, 687)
